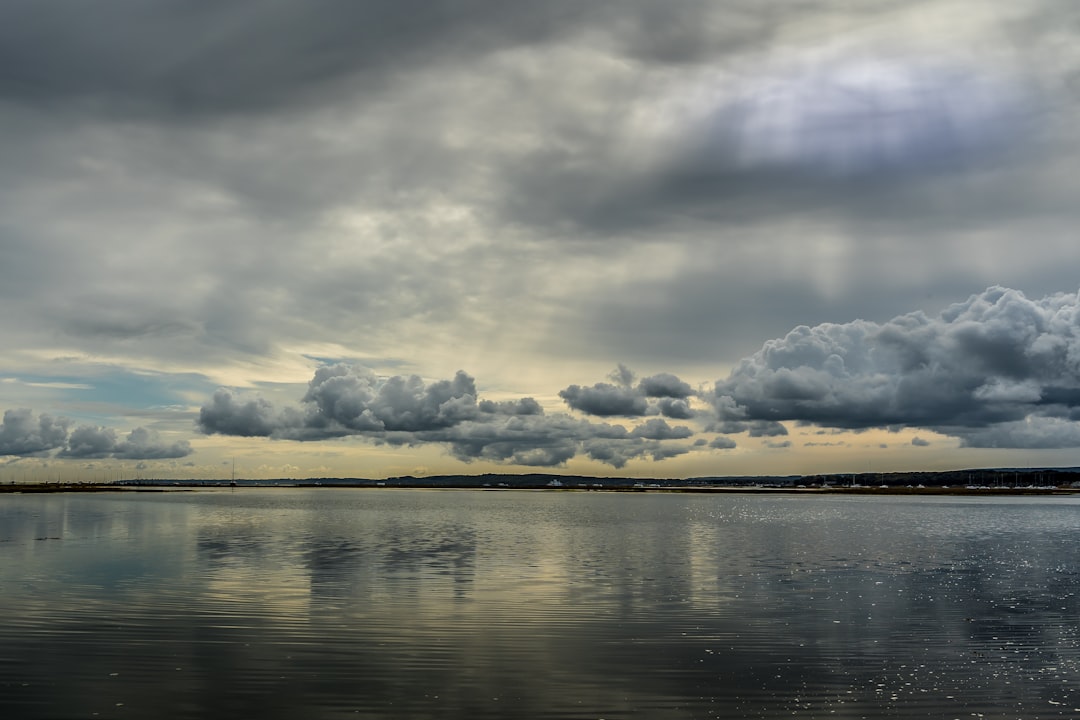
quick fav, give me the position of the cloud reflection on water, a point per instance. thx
(425, 604)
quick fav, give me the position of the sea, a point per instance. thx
(388, 603)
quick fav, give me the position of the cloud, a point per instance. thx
(766, 428)
(249, 57)
(998, 369)
(722, 443)
(605, 400)
(826, 126)
(228, 416)
(24, 435)
(90, 442)
(663, 394)
(347, 400)
(754, 428)
(859, 111)
(576, 127)
(94, 442)
(532, 440)
(524, 406)
(1034, 431)
(358, 400)
(675, 408)
(144, 444)
(658, 429)
(919, 442)
(665, 385)
(617, 454)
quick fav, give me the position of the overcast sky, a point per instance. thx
(637, 237)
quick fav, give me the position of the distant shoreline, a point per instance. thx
(984, 481)
(609, 485)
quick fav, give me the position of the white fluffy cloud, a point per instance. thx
(998, 370)
(348, 400)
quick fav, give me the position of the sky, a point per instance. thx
(638, 238)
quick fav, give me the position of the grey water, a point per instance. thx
(334, 603)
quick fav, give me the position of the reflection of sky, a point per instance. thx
(436, 603)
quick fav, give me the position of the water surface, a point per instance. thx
(327, 603)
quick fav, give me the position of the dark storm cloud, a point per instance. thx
(608, 120)
(240, 55)
(227, 415)
(893, 139)
(23, 434)
(726, 409)
(676, 408)
(356, 399)
(90, 442)
(722, 443)
(532, 440)
(766, 428)
(1035, 431)
(725, 174)
(346, 400)
(605, 400)
(254, 56)
(996, 370)
(140, 444)
(524, 406)
(861, 125)
(243, 55)
(617, 454)
(657, 429)
(665, 385)
(663, 394)
(551, 440)
(144, 444)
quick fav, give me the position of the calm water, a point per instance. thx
(427, 604)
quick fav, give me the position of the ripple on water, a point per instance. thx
(396, 604)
